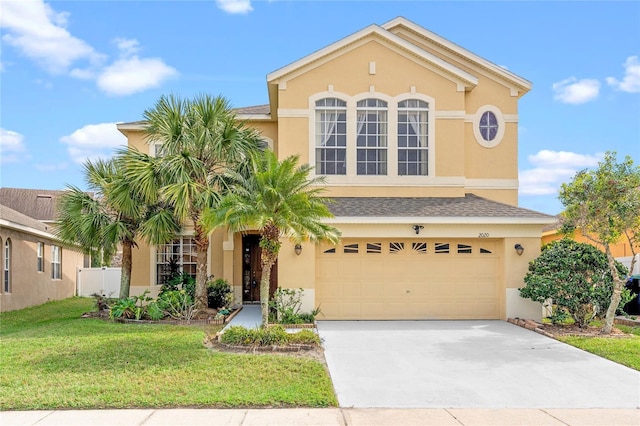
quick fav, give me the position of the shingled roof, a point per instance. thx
(429, 207)
(38, 204)
(18, 218)
(253, 110)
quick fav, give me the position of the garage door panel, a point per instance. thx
(402, 280)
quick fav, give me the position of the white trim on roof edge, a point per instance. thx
(373, 29)
(372, 220)
(461, 51)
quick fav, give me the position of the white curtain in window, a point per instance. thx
(414, 122)
(329, 122)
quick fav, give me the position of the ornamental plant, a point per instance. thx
(575, 277)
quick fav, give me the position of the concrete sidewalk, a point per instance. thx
(326, 416)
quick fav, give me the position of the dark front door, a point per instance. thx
(252, 270)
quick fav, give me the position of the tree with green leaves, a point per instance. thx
(604, 204)
(278, 199)
(575, 276)
(200, 139)
(113, 214)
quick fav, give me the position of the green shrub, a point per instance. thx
(219, 294)
(304, 337)
(575, 277)
(272, 336)
(154, 312)
(177, 304)
(123, 308)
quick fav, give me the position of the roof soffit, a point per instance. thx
(461, 53)
(373, 32)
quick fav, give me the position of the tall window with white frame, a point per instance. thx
(40, 256)
(371, 137)
(413, 138)
(56, 262)
(331, 136)
(6, 278)
(178, 256)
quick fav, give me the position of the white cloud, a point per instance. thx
(572, 91)
(551, 169)
(12, 148)
(235, 6)
(93, 141)
(39, 32)
(133, 75)
(631, 81)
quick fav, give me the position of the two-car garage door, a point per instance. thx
(409, 279)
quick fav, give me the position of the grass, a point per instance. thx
(52, 358)
(623, 350)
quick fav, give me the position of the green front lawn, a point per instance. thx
(52, 358)
(623, 350)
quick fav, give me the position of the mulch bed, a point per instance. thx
(556, 330)
(205, 317)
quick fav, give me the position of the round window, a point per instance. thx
(488, 126)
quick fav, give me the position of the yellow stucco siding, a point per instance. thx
(395, 74)
(491, 163)
(619, 249)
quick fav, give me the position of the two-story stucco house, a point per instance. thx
(418, 139)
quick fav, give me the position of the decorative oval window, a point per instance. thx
(488, 126)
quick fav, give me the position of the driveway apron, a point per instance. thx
(467, 364)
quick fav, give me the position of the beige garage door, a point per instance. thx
(408, 279)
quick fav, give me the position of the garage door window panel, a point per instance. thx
(441, 248)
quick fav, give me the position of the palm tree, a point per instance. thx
(114, 214)
(279, 200)
(200, 139)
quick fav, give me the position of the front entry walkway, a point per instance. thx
(249, 317)
(467, 364)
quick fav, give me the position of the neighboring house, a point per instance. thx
(418, 139)
(621, 250)
(36, 268)
(40, 204)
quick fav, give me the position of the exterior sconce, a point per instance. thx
(297, 249)
(519, 249)
(417, 228)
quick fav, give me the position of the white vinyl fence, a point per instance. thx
(103, 281)
(626, 261)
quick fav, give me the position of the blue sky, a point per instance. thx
(70, 70)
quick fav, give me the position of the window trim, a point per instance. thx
(39, 256)
(6, 266)
(56, 262)
(392, 177)
(476, 126)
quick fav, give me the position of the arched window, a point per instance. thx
(371, 137)
(413, 138)
(331, 136)
(7, 267)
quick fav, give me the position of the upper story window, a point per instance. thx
(6, 278)
(488, 126)
(413, 138)
(40, 256)
(56, 262)
(331, 136)
(371, 137)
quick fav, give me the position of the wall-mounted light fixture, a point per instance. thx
(298, 249)
(417, 228)
(519, 249)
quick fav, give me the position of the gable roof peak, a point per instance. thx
(460, 75)
(458, 50)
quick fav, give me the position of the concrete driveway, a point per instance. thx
(467, 364)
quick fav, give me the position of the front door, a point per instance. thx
(252, 270)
